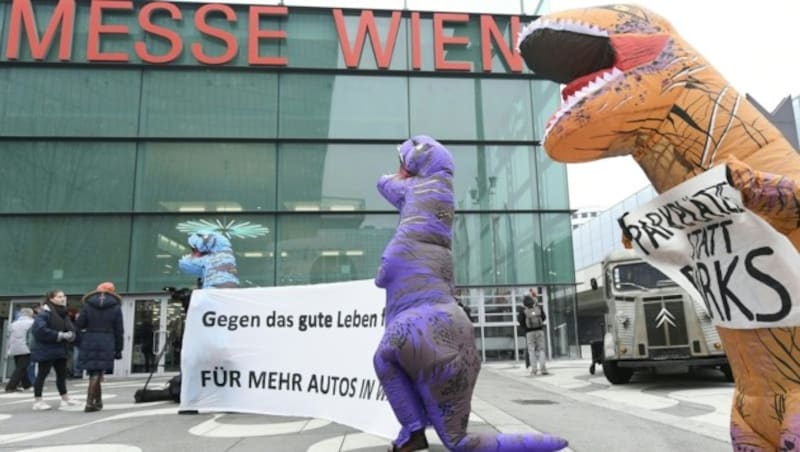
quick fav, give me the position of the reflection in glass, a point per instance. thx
(65, 101)
(320, 177)
(491, 177)
(328, 248)
(547, 98)
(343, 106)
(71, 176)
(199, 103)
(562, 321)
(205, 177)
(174, 331)
(557, 248)
(432, 111)
(160, 241)
(483, 108)
(552, 178)
(69, 252)
(497, 248)
(146, 328)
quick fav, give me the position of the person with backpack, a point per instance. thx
(532, 316)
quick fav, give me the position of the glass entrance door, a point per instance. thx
(147, 335)
(155, 324)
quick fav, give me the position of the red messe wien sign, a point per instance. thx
(22, 30)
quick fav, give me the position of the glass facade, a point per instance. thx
(108, 168)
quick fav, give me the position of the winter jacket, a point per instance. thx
(18, 336)
(46, 326)
(100, 327)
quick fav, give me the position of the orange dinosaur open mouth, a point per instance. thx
(565, 56)
(582, 57)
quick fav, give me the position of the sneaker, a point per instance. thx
(545, 372)
(534, 373)
(68, 402)
(41, 406)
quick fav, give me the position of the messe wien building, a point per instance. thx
(127, 125)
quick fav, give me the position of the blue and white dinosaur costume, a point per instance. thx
(212, 260)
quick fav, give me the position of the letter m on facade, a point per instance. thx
(22, 17)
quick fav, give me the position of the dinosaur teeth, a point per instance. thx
(559, 25)
(595, 85)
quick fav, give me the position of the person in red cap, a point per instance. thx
(100, 324)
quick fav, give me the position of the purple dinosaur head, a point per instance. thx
(423, 156)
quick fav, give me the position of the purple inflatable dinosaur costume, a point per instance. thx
(427, 361)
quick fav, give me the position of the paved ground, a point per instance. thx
(667, 413)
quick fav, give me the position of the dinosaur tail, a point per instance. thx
(510, 442)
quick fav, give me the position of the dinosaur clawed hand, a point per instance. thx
(773, 197)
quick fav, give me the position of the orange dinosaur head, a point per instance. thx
(622, 66)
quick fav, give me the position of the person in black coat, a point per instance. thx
(52, 330)
(100, 325)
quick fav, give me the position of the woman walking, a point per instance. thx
(100, 323)
(52, 331)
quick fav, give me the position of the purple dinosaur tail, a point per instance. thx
(509, 442)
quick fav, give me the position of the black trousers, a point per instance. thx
(60, 366)
(20, 374)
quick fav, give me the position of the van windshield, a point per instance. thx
(639, 276)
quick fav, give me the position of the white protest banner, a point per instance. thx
(294, 351)
(701, 236)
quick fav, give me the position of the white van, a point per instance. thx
(651, 322)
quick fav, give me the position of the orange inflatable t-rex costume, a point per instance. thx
(635, 87)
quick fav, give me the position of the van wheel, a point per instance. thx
(616, 375)
(726, 369)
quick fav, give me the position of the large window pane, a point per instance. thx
(496, 249)
(328, 248)
(562, 322)
(204, 103)
(322, 177)
(160, 241)
(343, 106)
(67, 101)
(557, 248)
(547, 98)
(205, 177)
(70, 176)
(495, 177)
(468, 109)
(552, 176)
(506, 110)
(315, 42)
(433, 107)
(72, 253)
